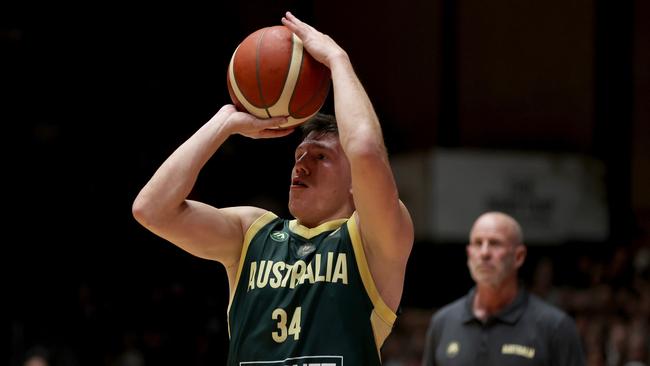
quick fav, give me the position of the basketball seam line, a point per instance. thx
(257, 73)
(324, 84)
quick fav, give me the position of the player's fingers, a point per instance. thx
(291, 25)
(272, 133)
(273, 122)
(295, 25)
(293, 18)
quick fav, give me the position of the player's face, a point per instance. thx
(493, 256)
(321, 183)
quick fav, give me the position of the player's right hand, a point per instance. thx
(246, 124)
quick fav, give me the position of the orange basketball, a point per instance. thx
(270, 75)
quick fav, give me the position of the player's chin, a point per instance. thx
(297, 204)
(293, 201)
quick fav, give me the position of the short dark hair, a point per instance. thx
(320, 123)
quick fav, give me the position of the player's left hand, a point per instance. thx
(321, 46)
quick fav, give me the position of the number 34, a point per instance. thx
(280, 315)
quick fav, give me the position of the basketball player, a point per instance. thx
(320, 289)
(498, 322)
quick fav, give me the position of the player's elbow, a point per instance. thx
(364, 140)
(143, 211)
(365, 149)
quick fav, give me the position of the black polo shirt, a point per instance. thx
(528, 332)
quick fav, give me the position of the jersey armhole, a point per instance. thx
(250, 233)
(383, 317)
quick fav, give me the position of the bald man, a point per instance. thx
(498, 322)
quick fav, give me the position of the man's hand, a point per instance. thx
(250, 126)
(321, 46)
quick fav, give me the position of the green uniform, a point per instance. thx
(305, 297)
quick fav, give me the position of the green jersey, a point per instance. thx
(305, 297)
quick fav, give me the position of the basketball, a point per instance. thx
(270, 75)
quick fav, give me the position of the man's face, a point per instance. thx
(320, 180)
(493, 254)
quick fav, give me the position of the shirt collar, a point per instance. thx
(509, 315)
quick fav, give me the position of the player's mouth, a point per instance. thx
(298, 183)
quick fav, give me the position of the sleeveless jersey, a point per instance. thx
(305, 297)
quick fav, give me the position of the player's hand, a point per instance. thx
(246, 124)
(321, 46)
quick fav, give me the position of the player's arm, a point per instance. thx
(385, 223)
(200, 229)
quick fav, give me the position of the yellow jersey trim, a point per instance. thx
(250, 233)
(308, 233)
(383, 317)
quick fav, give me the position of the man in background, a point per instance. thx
(498, 322)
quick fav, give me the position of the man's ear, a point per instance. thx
(520, 255)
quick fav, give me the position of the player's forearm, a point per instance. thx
(359, 128)
(165, 193)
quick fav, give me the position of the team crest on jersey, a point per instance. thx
(306, 249)
(452, 349)
(334, 232)
(279, 236)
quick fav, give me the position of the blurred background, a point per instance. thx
(538, 109)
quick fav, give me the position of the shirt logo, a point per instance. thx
(306, 249)
(519, 350)
(334, 232)
(452, 349)
(279, 236)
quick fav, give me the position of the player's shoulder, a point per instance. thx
(253, 218)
